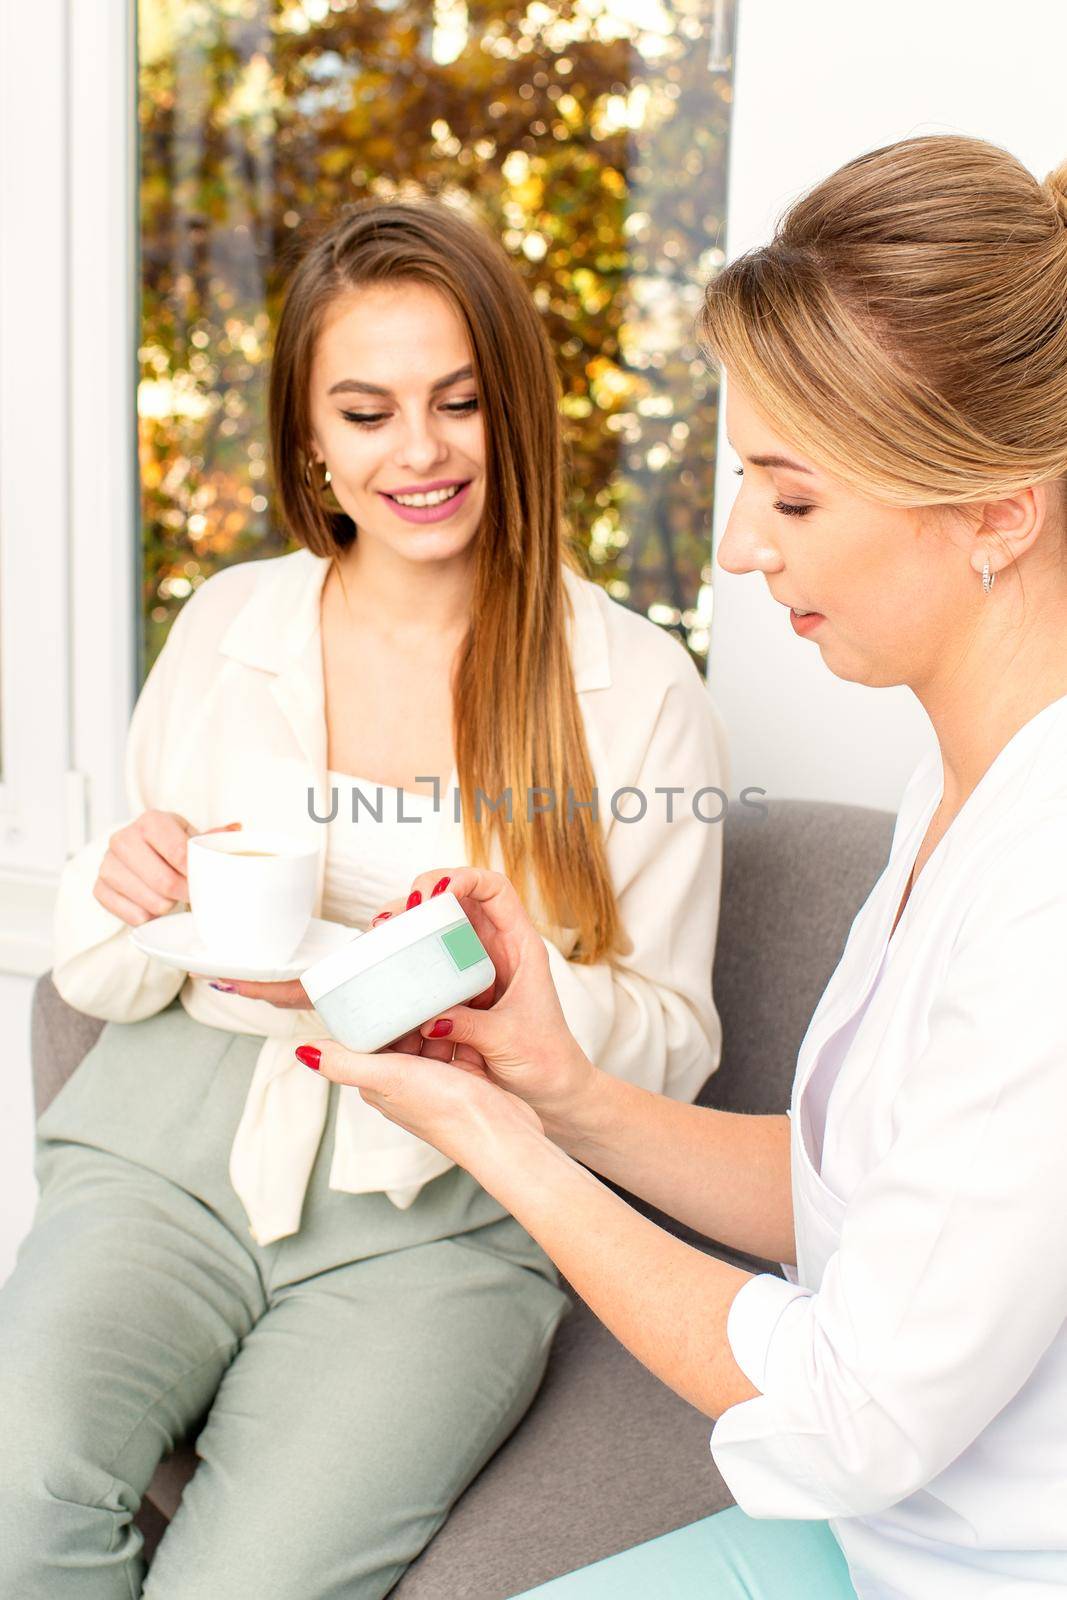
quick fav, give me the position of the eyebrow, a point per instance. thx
(778, 461)
(356, 384)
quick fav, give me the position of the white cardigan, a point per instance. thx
(230, 726)
(913, 1370)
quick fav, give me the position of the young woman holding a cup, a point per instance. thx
(219, 1232)
(897, 363)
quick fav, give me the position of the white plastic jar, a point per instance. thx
(398, 975)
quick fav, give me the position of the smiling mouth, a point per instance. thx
(434, 497)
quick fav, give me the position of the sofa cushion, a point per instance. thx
(793, 881)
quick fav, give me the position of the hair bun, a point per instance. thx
(905, 324)
(1055, 186)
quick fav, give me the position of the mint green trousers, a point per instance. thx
(729, 1556)
(354, 1378)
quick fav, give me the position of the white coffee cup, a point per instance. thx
(251, 894)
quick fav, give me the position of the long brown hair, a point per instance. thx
(516, 720)
(907, 324)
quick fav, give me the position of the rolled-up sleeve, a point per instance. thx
(96, 967)
(949, 1282)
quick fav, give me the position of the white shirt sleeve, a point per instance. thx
(649, 1017)
(96, 967)
(950, 1279)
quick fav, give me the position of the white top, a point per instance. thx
(230, 726)
(373, 859)
(913, 1370)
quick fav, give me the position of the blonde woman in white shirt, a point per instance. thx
(892, 1415)
(218, 1231)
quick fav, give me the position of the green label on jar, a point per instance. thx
(464, 946)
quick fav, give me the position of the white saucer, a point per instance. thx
(171, 939)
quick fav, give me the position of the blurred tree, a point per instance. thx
(589, 134)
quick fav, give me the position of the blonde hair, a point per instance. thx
(907, 324)
(517, 723)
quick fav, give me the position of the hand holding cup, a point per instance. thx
(143, 874)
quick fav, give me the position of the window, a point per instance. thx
(33, 494)
(589, 134)
(67, 447)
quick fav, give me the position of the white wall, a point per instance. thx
(815, 84)
(16, 1117)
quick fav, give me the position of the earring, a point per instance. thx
(327, 475)
(989, 578)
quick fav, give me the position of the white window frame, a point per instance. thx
(69, 311)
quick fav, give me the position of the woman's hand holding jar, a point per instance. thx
(513, 1038)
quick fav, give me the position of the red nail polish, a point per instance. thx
(309, 1056)
(440, 1028)
(414, 899)
(381, 917)
(440, 886)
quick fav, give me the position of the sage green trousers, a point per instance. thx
(354, 1377)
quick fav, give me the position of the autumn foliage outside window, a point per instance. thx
(589, 134)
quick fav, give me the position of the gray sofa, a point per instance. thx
(607, 1456)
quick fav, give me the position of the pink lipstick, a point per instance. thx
(440, 511)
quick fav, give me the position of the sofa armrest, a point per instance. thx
(59, 1039)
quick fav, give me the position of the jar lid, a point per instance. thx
(365, 950)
